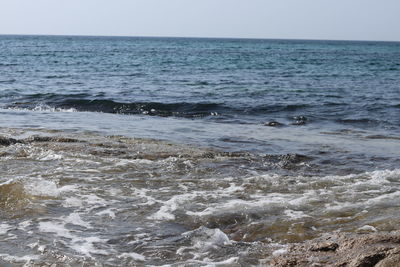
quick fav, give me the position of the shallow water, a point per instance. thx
(149, 152)
(113, 200)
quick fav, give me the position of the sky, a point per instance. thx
(276, 19)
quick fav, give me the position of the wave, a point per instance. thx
(292, 113)
(43, 108)
(57, 76)
(82, 102)
(181, 109)
(8, 64)
(8, 81)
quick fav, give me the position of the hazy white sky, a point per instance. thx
(304, 19)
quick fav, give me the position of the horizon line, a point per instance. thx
(202, 37)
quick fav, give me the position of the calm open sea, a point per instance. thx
(122, 151)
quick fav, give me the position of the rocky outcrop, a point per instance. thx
(273, 124)
(56, 139)
(6, 141)
(344, 250)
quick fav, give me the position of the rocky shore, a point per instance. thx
(344, 249)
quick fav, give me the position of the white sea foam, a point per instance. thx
(231, 262)
(264, 202)
(4, 228)
(133, 255)
(295, 214)
(391, 199)
(40, 248)
(279, 251)
(143, 193)
(205, 242)
(171, 205)
(233, 188)
(23, 225)
(10, 181)
(107, 212)
(44, 108)
(27, 259)
(86, 246)
(82, 245)
(68, 188)
(205, 239)
(366, 228)
(40, 153)
(41, 187)
(51, 156)
(55, 227)
(75, 218)
(349, 192)
(73, 202)
(93, 201)
(131, 162)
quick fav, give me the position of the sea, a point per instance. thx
(139, 151)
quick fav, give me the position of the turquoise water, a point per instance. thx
(120, 151)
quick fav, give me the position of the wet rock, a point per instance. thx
(225, 221)
(300, 120)
(294, 158)
(33, 139)
(233, 154)
(327, 246)
(65, 140)
(273, 124)
(390, 261)
(367, 260)
(208, 155)
(6, 141)
(299, 123)
(344, 249)
(112, 153)
(287, 161)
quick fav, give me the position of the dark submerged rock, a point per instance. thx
(6, 141)
(300, 120)
(56, 139)
(273, 124)
(328, 246)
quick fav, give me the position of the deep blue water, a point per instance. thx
(351, 84)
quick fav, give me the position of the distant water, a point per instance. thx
(342, 84)
(192, 151)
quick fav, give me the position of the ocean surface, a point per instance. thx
(133, 151)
